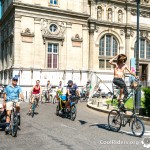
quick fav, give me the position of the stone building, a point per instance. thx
(68, 39)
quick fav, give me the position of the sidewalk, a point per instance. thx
(101, 105)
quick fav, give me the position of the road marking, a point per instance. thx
(63, 125)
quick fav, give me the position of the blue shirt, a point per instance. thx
(73, 89)
(12, 93)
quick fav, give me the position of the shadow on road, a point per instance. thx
(106, 127)
(102, 126)
(82, 122)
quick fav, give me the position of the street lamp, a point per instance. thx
(138, 92)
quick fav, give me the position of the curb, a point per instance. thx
(146, 120)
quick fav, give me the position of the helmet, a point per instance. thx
(70, 82)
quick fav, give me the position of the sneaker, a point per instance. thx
(60, 112)
(123, 108)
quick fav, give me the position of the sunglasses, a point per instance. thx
(15, 80)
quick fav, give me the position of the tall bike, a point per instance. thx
(118, 119)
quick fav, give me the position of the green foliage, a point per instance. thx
(147, 100)
(129, 103)
(59, 92)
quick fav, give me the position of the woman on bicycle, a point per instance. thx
(35, 92)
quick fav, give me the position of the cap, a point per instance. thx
(15, 78)
(70, 81)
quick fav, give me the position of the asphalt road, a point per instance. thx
(89, 131)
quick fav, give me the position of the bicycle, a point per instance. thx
(14, 121)
(34, 104)
(117, 118)
(84, 95)
(73, 107)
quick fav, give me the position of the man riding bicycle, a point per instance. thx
(119, 69)
(72, 90)
(12, 93)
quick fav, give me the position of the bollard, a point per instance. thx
(26, 95)
(107, 106)
(98, 104)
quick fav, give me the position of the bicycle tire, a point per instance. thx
(114, 119)
(33, 109)
(19, 120)
(14, 126)
(137, 123)
(73, 113)
(57, 110)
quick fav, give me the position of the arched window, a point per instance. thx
(108, 47)
(144, 52)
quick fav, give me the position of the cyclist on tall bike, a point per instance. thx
(35, 92)
(119, 70)
(12, 93)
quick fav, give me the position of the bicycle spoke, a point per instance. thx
(138, 127)
(114, 120)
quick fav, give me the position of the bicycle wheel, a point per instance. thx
(19, 120)
(57, 110)
(73, 113)
(14, 125)
(114, 120)
(33, 109)
(137, 127)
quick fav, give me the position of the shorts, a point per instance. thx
(120, 83)
(9, 105)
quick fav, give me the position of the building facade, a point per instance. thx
(68, 39)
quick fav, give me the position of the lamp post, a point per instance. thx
(138, 92)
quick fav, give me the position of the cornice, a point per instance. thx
(117, 25)
(51, 10)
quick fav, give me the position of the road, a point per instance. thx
(89, 131)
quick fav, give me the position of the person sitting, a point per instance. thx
(72, 90)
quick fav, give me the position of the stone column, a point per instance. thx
(68, 45)
(128, 15)
(128, 46)
(91, 46)
(38, 48)
(17, 41)
(93, 9)
(85, 47)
